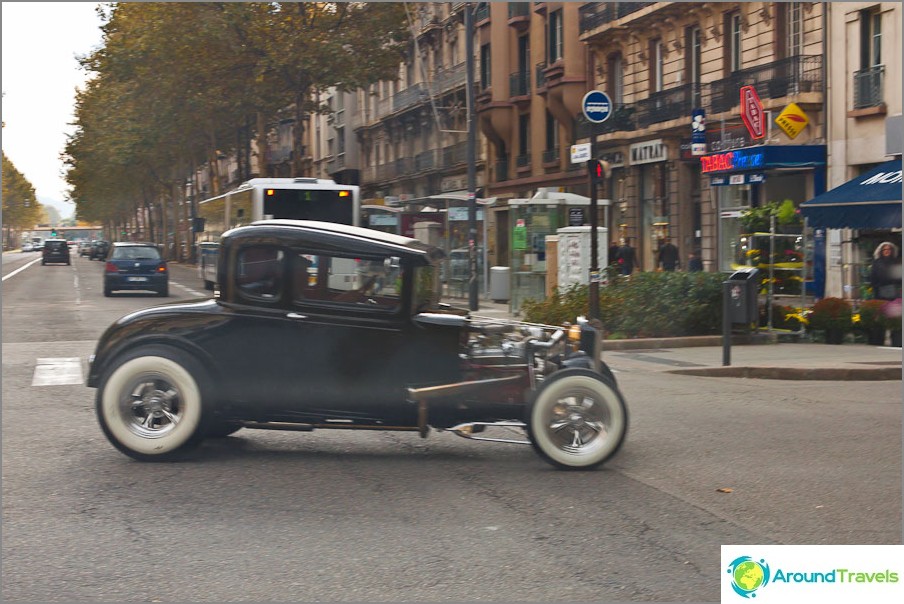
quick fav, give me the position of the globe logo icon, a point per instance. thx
(748, 575)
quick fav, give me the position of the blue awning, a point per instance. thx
(869, 201)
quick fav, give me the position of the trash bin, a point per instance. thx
(742, 288)
(500, 287)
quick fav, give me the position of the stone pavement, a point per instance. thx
(758, 356)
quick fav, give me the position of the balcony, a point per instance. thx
(868, 87)
(667, 105)
(425, 160)
(519, 84)
(456, 154)
(522, 162)
(540, 76)
(519, 15)
(785, 77)
(409, 97)
(621, 120)
(595, 14)
(551, 156)
(482, 13)
(449, 78)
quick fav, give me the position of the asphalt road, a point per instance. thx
(371, 516)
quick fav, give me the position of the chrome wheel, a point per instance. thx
(154, 407)
(578, 420)
(150, 406)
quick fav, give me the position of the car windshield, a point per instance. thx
(136, 253)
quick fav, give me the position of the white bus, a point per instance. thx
(264, 198)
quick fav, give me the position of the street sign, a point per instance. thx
(580, 153)
(752, 112)
(792, 120)
(597, 106)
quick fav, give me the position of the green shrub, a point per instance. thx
(654, 304)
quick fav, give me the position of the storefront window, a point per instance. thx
(732, 200)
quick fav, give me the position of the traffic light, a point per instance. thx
(597, 169)
(53, 233)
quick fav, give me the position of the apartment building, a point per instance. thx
(864, 99)
(663, 63)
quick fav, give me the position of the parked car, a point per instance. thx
(99, 250)
(27, 246)
(316, 325)
(55, 251)
(84, 248)
(135, 266)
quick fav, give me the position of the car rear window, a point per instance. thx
(135, 252)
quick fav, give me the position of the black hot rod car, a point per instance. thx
(317, 325)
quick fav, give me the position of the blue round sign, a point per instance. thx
(597, 106)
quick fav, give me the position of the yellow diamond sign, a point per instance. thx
(792, 120)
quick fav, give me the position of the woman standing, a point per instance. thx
(885, 272)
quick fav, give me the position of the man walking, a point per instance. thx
(626, 257)
(668, 255)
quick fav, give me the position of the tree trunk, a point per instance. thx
(263, 150)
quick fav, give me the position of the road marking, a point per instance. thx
(19, 270)
(191, 291)
(58, 371)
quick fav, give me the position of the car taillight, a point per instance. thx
(110, 268)
(161, 268)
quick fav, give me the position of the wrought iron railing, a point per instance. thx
(868, 87)
(595, 14)
(447, 78)
(426, 160)
(412, 95)
(785, 77)
(621, 120)
(523, 161)
(519, 83)
(482, 13)
(518, 9)
(455, 154)
(666, 105)
(540, 75)
(551, 155)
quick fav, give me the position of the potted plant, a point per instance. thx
(872, 321)
(834, 317)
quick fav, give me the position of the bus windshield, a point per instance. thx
(310, 204)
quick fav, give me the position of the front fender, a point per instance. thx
(581, 360)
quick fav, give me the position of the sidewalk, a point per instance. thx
(758, 356)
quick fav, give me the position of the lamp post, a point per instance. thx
(471, 157)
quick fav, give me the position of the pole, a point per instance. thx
(472, 158)
(594, 236)
(726, 324)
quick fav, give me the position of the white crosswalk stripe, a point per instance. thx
(58, 371)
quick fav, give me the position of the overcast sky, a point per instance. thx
(40, 75)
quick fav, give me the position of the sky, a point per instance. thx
(40, 75)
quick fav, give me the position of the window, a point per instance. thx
(795, 29)
(260, 272)
(693, 55)
(552, 132)
(340, 140)
(870, 39)
(555, 36)
(655, 65)
(523, 135)
(734, 41)
(485, 72)
(615, 80)
(371, 282)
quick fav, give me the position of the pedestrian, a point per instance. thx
(694, 263)
(626, 256)
(885, 272)
(668, 255)
(612, 258)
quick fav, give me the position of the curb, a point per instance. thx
(687, 341)
(798, 373)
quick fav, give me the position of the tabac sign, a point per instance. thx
(792, 120)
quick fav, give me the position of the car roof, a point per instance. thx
(337, 236)
(133, 244)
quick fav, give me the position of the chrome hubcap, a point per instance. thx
(578, 423)
(152, 408)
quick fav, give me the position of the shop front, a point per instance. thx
(752, 177)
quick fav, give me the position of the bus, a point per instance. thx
(266, 198)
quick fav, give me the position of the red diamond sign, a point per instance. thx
(752, 112)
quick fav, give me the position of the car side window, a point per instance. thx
(342, 281)
(260, 272)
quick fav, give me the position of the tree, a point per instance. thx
(21, 210)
